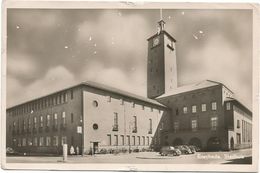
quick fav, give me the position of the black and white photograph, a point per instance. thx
(133, 86)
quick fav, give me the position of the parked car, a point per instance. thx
(169, 150)
(192, 148)
(11, 151)
(184, 149)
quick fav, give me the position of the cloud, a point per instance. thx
(55, 79)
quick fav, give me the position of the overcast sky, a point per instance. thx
(48, 50)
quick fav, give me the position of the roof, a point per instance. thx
(191, 87)
(165, 32)
(238, 103)
(101, 87)
(121, 92)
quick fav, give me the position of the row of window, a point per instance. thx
(42, 121)
(195, 110)
(194, 124)
(117, 140)
(43, 103)
(40, 141)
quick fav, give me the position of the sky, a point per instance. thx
(48, 50)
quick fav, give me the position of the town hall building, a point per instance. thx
(92, 117)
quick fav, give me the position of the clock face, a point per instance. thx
(156, 41)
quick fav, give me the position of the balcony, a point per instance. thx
(115, 127)
(134, 130)
(63, 126)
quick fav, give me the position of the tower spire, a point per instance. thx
(161, 22)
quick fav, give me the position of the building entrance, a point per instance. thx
(95, 147)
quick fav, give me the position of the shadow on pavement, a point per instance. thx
(246, 160)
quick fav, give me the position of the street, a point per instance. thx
(232, 157)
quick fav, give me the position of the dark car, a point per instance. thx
(169, 150)
(10, 151)
(184, 149)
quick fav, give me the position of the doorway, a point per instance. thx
(95, 147)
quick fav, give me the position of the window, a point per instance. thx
(135, 125)
(48, 121)
(128, 139)
(34, 122)
(58, 99)
(48, 141)
(214, 106)
(238, 138)
(121, 101)
(214, 123)
(55, 119)
(29, 123)
(72, 140)
(24, 142)
(71, 94)
(148, 140)
(109, 140)
(185, 110)
(54, 100)
(95, 103)
(238, 124)
(63, 140)
(142, 107)
(133, 137)
(203, 107)
(61, 98)
(55, 140)
(176, 126)
(194, 109)
(115, 126)
(41, 141)
(133, 104)
(116, 140)
(228, 106)
(143, 141)
(41, 121)
(122, 140)
(35, 141)
(71, 117)
(150, 126)
(194, 125)
(63, 118)
(65, 96)
(138, 140)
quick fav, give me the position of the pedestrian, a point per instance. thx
(72, 150)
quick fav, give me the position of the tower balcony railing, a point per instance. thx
(150, 131)
(134, 130)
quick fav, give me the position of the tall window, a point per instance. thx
(194, 109)
(176, 126)
(143, 141)
(24, 125)
(177, 111)
(48, 141)
(203, 107)
(35, 141)
(115, 126)
(55, 140)
(55, 119)
(228, 106)
(109, 140)
(133, 140)
(116, 140)
(185, 109)
(128, 140)
(194, 125)
(63, 118)
(71, 118)
(41, 142)
(135, 125)
(65, 96)
(41, 121)
(214, 105)
(24, 142)
(48, 121)
(138, 140)
(214, 123)
(122, 140)
(150, 126)
(148, 140)
(238, 124)
(34, 122)
(71, 94)
(29, 123)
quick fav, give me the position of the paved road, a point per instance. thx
(238, 156)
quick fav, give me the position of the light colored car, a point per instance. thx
(169, 150)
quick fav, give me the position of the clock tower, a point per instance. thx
(161, 65)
